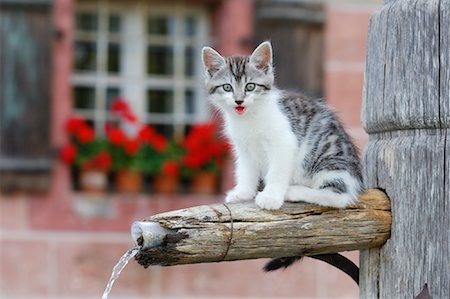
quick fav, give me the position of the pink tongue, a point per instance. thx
(240, 109)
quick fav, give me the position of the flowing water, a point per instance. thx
(118, 268)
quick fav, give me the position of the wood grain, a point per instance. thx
(240, 231)
(403, 61)
(407, 115)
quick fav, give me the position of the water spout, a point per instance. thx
(145, 235)
(118, 269)
(148, 234)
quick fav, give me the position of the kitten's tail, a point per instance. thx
(335, 259)
(281, 262)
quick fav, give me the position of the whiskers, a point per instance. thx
(216, 116)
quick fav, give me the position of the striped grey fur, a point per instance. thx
(312, 121)
(236, 66)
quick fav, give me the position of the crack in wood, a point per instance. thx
(230, 239)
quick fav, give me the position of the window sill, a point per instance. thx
(114, 206)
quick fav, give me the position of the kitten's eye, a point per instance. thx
(250, 87)
(227, 87)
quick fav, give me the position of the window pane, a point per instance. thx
(160, 101)
(111, 94)
(160, 60)
(85, 56)
(166, 130)
(189, 61)
(113, 58)
(114, 24)
(189, 102)
(84, 97)
(187, 129)
(160, 25)
(86, 21)
(190, 26)
(90, 123)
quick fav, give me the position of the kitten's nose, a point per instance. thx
(239, 102)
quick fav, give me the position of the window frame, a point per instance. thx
(133, 80)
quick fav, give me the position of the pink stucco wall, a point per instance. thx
(346, 34)
(233, 27)
(65, 244)
(62, 69)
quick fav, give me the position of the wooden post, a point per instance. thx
(240, 231)
(406, 112)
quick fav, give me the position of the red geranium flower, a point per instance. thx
(146, 134)
(200, 137)
(192, 161)
(74, 124)
(121, 108)
(130, 117)
(193, 143)
(205, 149)
(149, 135)
(131, 147)
(85, 134)
(119, 105)
(103, 160)
(170, 168)
(159, 142)
(116, 136)
(68, 153)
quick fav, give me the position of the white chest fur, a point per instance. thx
(263, 135)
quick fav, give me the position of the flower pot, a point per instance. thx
(128, 181)
(204, 183)
(167, 184)
(93, 180)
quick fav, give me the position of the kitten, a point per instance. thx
(295, 144)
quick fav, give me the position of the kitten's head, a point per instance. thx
(235, 84)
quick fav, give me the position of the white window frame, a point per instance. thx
(133, 81)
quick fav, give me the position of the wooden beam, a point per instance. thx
(406, 111)
(226, 232)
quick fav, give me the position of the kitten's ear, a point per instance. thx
(212, 60)
(262, 56)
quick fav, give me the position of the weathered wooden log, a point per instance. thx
(406, 111)
(226, 232)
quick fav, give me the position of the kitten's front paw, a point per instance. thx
(237, 195)
(268, 201)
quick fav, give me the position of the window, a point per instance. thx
(149, 54)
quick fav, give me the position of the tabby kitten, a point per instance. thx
(295, 144)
